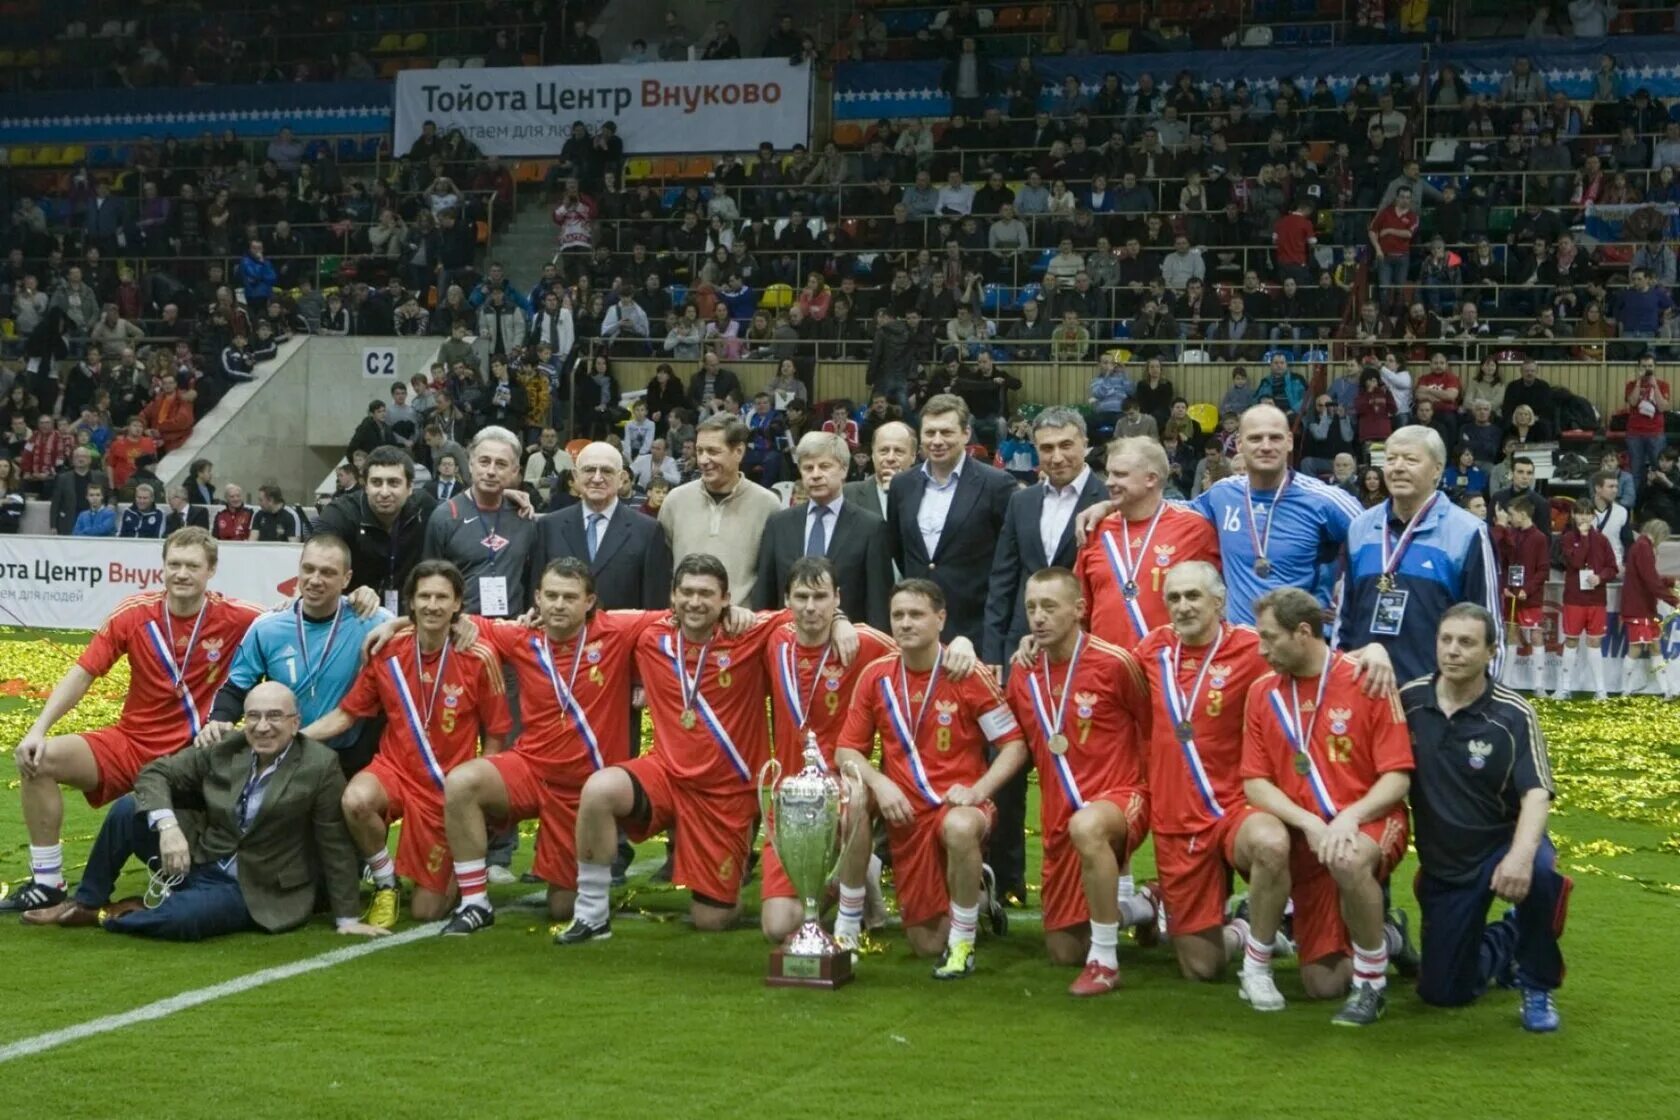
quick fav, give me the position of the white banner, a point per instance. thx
(665, 107)
(72, 583)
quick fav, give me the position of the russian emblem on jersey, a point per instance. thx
(947, 710)
(1479, 752)
(1085, 704)
(1339, 720)
(213, 649)
(1218, 675)
(1164, 555)
(592, 652)
(452, 695)
(832, 676)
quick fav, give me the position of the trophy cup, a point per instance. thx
(810, 815)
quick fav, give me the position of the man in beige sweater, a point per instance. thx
(722, 512)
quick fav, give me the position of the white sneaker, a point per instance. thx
(1562, 694)
(1601, 696)
(500, 875)
(1260, 990)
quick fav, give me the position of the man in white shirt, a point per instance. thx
(656, 461)
(956, 197)
(1610, 517)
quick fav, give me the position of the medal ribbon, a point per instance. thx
(564, 694)
(178, 673)
(1126, 569)
(697, 702)
(1262, 544)
(787, 671)
(310, 672)
(906, 731)
(1300, 738)
(1053, 725)
(1391, 559)
(420, 719)
(1181, 710)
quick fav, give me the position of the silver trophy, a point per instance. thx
(811, 816)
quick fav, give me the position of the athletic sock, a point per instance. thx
(848, 920)
(1125, 887)
(963, 921)
(472, 875)
(1514, 662)
(384, 873)
(1595, 667)
(1235, 935)
(1105, 941)
(1256, 957)
(1136, 911)
(593, 899)
(1566, 674)
(46, 864)
(1370, 966)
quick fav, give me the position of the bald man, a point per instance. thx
(626, 551)
(892, 450)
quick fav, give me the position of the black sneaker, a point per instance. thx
(1405, 959)
(33, 896)
(991, 902)
(1364, 1006)
(578, 931)
(468, 920)
(530, 877)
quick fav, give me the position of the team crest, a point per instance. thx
(1085, 703)
(723, 661)
(1339, 720)
(213, 648)
(452, 694)
(1218, 675)
(592, 652)
(1479, 752)
(946, 709)
(1164, 555)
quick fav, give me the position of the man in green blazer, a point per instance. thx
(258, 835)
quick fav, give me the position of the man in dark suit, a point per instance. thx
(944, 519)
(625, 550)
(1037, 534)
(265, 833)
(849, 534)
(181, 514)
(69, 493)
(892, 451)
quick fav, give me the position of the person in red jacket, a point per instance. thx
(1642, 589)
(1589, 564)
(1524, 562)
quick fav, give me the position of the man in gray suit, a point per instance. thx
(259, 832)
(69, 490)
(625, 549)
(892, 452)
(1037, 534)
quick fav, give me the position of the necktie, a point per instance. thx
(594, 534)
(817, 543)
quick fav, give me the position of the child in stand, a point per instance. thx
(1017, 453)
(1524, 561)
(1589, 564)
(1642, 590)
(638, 431)
(1374, 409)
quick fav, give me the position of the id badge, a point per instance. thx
(1390, 612)
(391, 601)
(493, 596)
(1585, 575)
(1514, 575)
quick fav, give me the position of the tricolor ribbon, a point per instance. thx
(1391, 558)
(1052, 725)
(564, 694)
(1126, 569)
(418, 720)
(1300, 738)
(787, 672)
(1181, 711)
(165, 649)
(898, 714)
(704, 710)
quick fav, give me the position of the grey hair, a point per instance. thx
(1058, 416)
(494, 434)
(1206, 573)
(1429, 439)
(814, 445)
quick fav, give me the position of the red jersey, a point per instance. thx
(1188, 780)
(1105, 720)
(233, 524)
(1447, 380)
(452, 705)
(1642, 584)
(729, 742)
(591, 671)
(1293, 235)
(158, 642)
(1354, 739)
(1586, 552)
(124, 456)
(1394, 231)
(793, 685)
(1525, 560)
(1179, 535)
(1644, 417)
(947, 743)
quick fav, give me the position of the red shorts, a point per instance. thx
(1642, 631)
(919, 864)
(1587, 620)
(1194, 870)
(1319, 930)
(554, 808)
(119, 758)
(715, 829)
(1527, 617)
(1064, 885)
(423, 846)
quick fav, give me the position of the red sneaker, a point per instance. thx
(1095, 980)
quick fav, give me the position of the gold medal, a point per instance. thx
(1186, 731)
(1385, 583)
(1303, 764)
(1058, 744)
(689, 719)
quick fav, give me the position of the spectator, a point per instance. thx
(98, 519)
(721, 45)
(1391, 233)
(69, 491)
(144, 518)
(274, 520)
(233, 523)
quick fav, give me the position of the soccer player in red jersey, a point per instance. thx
(1124, 562)
(179, 642)
(574, 683)
(934, 786)
(1525, 562)
(441, 700)
(1085, 710)
(1199, 669)
(1589, 564)
(705, 689)
(1334, 765)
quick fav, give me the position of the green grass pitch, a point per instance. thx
(663, 1022)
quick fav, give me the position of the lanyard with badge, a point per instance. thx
(493, 590)
(1390, 610)
(308, 681)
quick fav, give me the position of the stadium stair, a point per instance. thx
(528, 242)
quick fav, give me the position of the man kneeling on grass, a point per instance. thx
(270, 832)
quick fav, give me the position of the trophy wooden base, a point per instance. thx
(790, 971)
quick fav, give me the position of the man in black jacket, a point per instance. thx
(384, 523)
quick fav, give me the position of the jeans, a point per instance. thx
(1642, 456)
(1391, 278)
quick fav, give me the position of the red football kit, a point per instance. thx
(801, 702)
(574, 706)
(710, 741)
(1584, 608)
(1525, 560)
(934, 732)
(1098, 705)
(157, 718)
(1195, 780)
(1643, 587)
(1348, 741)
(1123, 569)
(435, 706)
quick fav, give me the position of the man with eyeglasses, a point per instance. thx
(269, 837)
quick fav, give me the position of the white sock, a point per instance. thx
(848, 919)
(1630, 676)
(1370, 966)
(1235, 935)
(1595, 667)
(1136, 911)
(594, 883)
(1125, 887)
(1256, 957)
(1105, 941)
(46, 864)
(384, 872)
(472, 875)
(963, 921)
(1512, 676)
(1566, 675)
